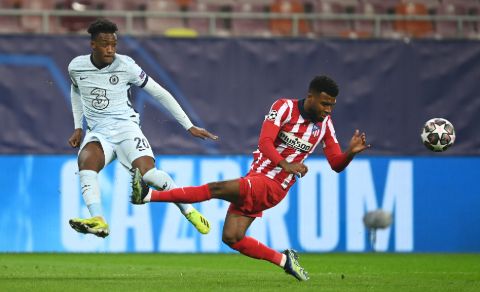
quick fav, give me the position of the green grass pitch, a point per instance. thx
(234, 272)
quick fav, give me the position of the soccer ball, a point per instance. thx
(438, 134)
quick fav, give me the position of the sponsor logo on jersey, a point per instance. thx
(272, 115)
(295, 142)
(142, 75)
(100, 101)
(113, 79)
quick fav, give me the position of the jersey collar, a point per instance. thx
(99, 68)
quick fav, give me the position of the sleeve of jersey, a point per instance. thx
(270, 128)
(77, 109)
(169, 102)
(138, 77)
(337, 159)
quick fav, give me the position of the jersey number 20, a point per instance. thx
(142, 143)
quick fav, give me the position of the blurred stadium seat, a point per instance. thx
(372, 8)
(251, 27)
(224, 25)
(77, 23)
(9, 24)
(470, 29)
(412, 28)
(33, 23)
(447, 29)
(334, 28)
(157, 25)
(202, 24)
(284, 27)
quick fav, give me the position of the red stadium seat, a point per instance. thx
(412, 28)
(284, 27)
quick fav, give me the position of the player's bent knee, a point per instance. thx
(144, 164)
(88, 163)
(217, 188)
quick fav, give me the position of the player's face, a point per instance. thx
(104, 47)
(319, 105)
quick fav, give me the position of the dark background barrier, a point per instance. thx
(388, 89)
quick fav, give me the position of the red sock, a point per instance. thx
(253, 248)
(182, 195)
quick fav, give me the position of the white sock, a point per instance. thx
(91, 192)
(161, 180)
(283, 261)
(148, 197)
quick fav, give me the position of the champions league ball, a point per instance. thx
(438, 134)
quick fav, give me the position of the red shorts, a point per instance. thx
(257, 193)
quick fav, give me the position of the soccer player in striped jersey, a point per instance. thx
(100, 92)
(291, 131)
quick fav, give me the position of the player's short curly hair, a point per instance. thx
(101, 25)
(325, 84)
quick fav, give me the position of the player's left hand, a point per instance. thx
(297, 168)
(76, 138)
(358, 143)
(202, 133)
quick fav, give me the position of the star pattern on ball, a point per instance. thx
(439, 129)
(424, 135)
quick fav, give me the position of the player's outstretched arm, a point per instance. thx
(170, 103)
(202, 133)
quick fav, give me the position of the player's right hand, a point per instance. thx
(358, 143)
(76, 138)
(202, 133)
(297, 168)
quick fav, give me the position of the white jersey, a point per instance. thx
(105, 92)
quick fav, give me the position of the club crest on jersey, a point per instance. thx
(315, 130)
(272, 115)
(295, 142)
(113, 79)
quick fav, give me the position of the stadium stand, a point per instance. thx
(258, 18)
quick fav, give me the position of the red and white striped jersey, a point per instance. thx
(297, 137)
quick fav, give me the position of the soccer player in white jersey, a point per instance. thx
(100, 92)
(291, 131)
